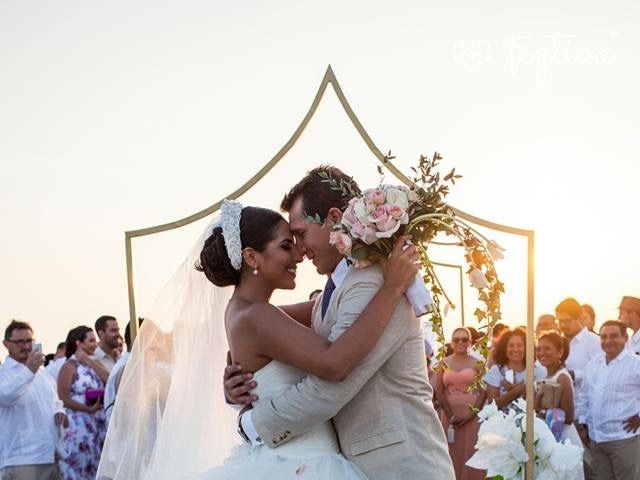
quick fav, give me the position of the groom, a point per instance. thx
(382, 411)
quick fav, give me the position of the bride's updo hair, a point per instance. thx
(257, 229)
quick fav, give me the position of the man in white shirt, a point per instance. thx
(612, 403)
(108, 332)
(630, 316)
(583, 346)
(30, 410)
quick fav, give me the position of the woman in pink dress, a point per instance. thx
(455, 375)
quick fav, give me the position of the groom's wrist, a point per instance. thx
(246, 429)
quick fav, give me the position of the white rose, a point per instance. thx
(395, 196)
(361, 211)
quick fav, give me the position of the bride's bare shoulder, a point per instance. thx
(251, 315)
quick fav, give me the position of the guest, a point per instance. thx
(58, 360)
(120, 347)
(108, 332)
(630, 316)
(506, 378)
(30, 410)
(612, 403)
(556, 390)
(48, 358)
(78, 385)
(115, 375)
(546, 323)
(498, 328)
(456, 374)
(314, 294)
(476, 336)
(583, 346)
(587, 316)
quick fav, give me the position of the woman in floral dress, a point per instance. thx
(79, 387)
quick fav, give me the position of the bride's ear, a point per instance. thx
(249, 255)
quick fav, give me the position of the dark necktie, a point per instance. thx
(326, 295)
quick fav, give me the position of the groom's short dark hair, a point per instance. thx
(317, 193)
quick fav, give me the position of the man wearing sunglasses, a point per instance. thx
(30, 410)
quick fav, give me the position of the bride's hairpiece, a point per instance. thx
(230, 222)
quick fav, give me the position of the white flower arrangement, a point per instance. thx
(501, 447)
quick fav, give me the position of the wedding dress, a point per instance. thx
(310, 456)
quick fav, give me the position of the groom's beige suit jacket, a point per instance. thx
(382, 413)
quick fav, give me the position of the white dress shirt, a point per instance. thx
(107, 360)
(583, 348)
(54, 367)
(634, 343)
(28, 404)
(338, 275)
(612, 395)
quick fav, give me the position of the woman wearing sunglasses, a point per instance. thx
(455, 375)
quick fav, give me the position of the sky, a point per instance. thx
(122, 115)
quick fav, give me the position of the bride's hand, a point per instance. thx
(402, 265)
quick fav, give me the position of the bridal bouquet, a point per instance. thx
(501, 447)
(374, 219)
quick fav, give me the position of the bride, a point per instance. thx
(170, 420)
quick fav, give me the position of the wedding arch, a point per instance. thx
(330, 79)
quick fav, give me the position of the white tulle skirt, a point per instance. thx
(247, 462)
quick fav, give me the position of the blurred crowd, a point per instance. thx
(587, 385)
(54, 408)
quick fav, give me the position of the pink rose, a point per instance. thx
(388, 225)
(395, 211)
(349, 216)
(374, 196)
(379, 215)
(366, 233)
(341, 241)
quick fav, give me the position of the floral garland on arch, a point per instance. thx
(373, 219)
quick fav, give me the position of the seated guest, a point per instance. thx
(612, 402)
(30, 411)
(455, 375)
(80, 387)
(506, 378)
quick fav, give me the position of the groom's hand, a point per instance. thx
(238, 384)
(402, 265)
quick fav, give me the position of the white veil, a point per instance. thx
(170, 419)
